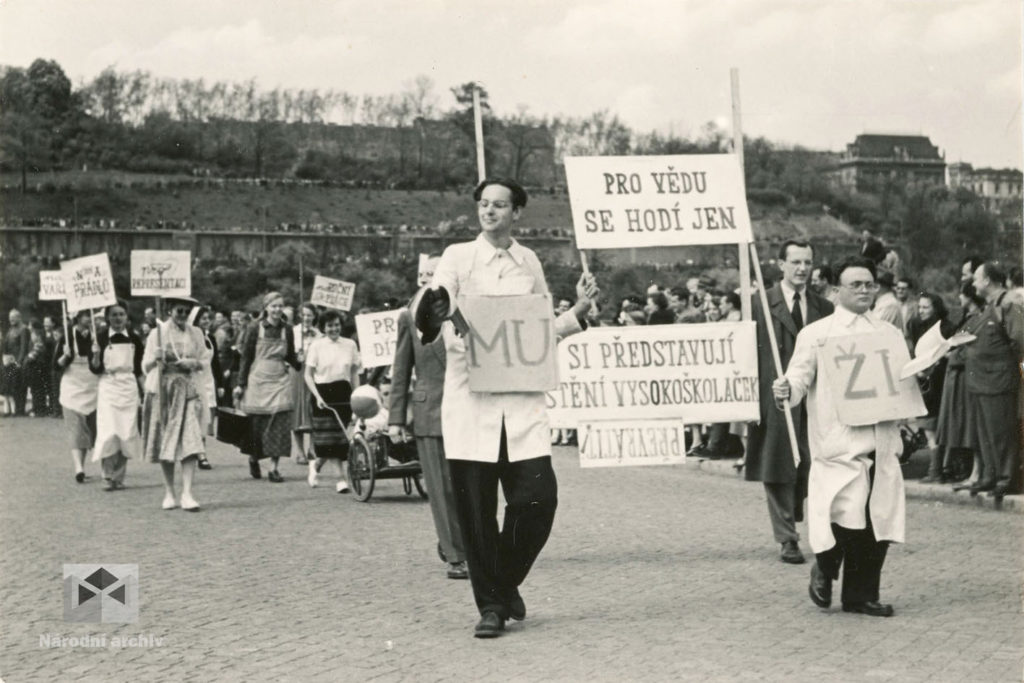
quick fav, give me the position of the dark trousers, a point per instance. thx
(994, 421)
(860, 554)
(500, 560)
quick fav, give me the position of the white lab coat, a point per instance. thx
(471, 421)
(838, 485)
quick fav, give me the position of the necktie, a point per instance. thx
(798, 316)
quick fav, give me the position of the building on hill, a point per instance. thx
(995, 186)
(872, 160)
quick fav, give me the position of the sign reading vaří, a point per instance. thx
(656, 201)
(510, 347)
(697, 373)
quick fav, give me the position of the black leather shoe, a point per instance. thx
(80, 477)
(490, 626)
(204, 464)
(871, 609)
(820, 588)
(275, 476)
(791, 553)
(517, 608)
(981, 487)
(457, 570)
(254, 469)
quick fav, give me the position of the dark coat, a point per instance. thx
(991, 360)
(429, 360)
(769, 457)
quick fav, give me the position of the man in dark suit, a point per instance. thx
(427, 391)
(769, 456)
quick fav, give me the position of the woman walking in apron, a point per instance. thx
(117, 360)
(172, 414)
(265, 387)
(78, 387)
(305, 333)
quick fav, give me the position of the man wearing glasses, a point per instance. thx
(855, 497)
(496, 438)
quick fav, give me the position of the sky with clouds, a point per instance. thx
(812, 72)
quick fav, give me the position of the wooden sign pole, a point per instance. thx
(737, 147)
(478, 125)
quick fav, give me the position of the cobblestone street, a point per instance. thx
(650, 574)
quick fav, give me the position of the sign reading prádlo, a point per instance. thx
(336, 294)
(697, 373)
(655, 201)
(161, 273)
(88, 282)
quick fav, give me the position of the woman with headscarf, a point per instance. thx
(78, 387)
(117, 361)
(305, 333)
(332, 372)
(265, 387)
(173, 411)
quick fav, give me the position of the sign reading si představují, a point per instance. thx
(88, 282)
(657, 201)
(336, 294)
(863, 372)
(51, 285)
(161, 273)
(698, 373)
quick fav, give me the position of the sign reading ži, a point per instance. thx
(620, 443)
(863, 372)
(378, 334)
(696, 373)
(654, 201)
(510, 347)
(336, 294)
(88, 282)
(51, 285)
(161, 273)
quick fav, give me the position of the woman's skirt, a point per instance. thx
(329, 439)
(173, 431)
(10, 380)
(954, 426)
(270, 436)
(302, 400)
(81, 429)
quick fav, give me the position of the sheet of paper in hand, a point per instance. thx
(863, 373)
(510, 347)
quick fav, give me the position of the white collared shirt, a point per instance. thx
(788, 292)
(471, 421)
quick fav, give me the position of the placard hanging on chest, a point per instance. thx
(510, 347)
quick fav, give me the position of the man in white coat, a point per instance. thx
(493, 438)
(855, 496)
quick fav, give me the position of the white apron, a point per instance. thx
(270, 388)
(117, 426)
(78, 386)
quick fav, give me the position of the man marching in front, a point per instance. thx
(493, 438)
(855, 489)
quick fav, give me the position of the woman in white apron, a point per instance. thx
(78, 387)
(117, 360)
(265, 386)
(172, 412)
(305, 333)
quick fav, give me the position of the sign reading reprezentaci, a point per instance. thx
(655, 201)
(378, 333)
(88, 282)
(863, 372)
(161, 273)
(511, 343)
(620, 443)
(51, 285)
(336, 294)
(697, 373)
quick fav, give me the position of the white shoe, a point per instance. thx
(311, 478)
(189, 504)
(342, 486)
(169, 502)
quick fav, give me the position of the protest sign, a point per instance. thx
(88, 282)
(378, 333)
(620, 443)
(697, 373)
(51, 285)
(510, 346)
(336, 294)
(161, 273)
(863, 373)
(654, 201)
